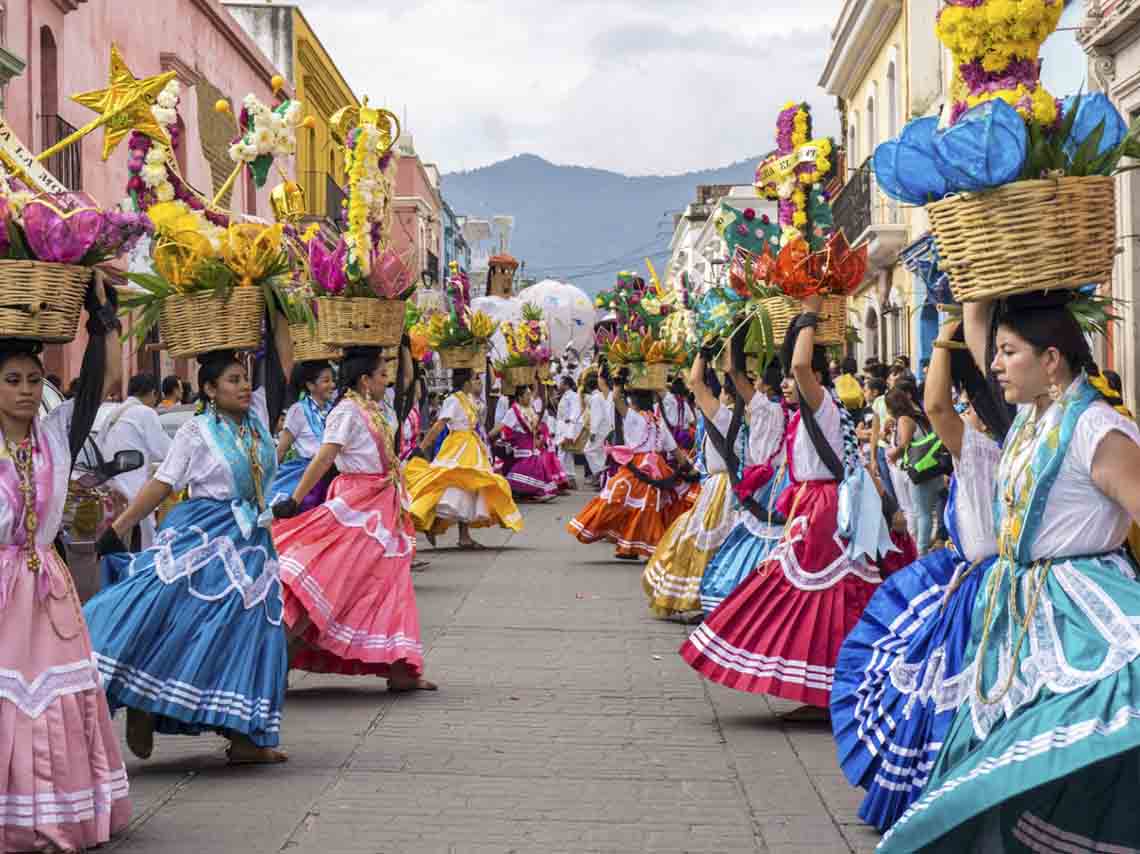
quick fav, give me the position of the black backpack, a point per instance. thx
(927, 458)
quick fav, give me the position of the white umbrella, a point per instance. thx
(503, 310)
(568, 311)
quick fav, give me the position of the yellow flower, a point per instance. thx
(799, 219)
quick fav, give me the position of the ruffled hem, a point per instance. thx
(488, 499)
(899, 683)
(629, 513)
(742, 552)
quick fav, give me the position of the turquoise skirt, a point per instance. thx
(1043, 755)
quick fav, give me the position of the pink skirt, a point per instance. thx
(779, 631)
(346, 567)
(65, 784)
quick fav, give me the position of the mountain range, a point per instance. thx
(579, 224)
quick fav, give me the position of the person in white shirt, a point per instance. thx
(601, 416)
(570, 421)
(134, 425)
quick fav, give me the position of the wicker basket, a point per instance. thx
(1057, 233)
(307, 347)
(525, 375)
(832, 329)
(649, 377)
(190, 324)
(41, 301)
(463, 358)
(360, 321)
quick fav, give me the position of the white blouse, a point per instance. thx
(511, 421)
(643, 435)
(305, 441)
(358, 452)
(765, 431)
(976, 472)
(678, 411)
(191, 464)
(806, 463)
(569, 417)
(454, 414)
(1079, 519)
(714, 462)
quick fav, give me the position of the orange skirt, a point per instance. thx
(630, 513)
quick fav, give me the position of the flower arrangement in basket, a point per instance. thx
(528, 348)
(460, 336)
(48, 244)
(1017, 184)
(640, 343)
(205, 298)
(362, 282)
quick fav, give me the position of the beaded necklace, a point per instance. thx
(22, 454)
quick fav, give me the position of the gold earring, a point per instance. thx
(1054, 392)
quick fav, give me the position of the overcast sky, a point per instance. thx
(636, 86)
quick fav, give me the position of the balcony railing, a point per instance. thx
(851, 210)
(67, 165)
(323, 197)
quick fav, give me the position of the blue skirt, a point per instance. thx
(899, 682)
(747, 546)
(190, 630)
(289, 474)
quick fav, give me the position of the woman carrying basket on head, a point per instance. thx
(459, 486)
(346, 564)
(63, 785)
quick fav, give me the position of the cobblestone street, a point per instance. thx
(565, 721)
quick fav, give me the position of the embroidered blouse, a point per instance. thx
(358, 453)
(647, 434)
(52, 461)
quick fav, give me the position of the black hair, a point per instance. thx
(985, 395)
(12, 347)
(819, 362)
(877, 385)
(591, 383)
(677, 386)
(460, 377)
(1114, 381)
(211, 366)
(55, 380)
(900, 402)
(641, 398)
(357, 362)
(773, 374)
(170, 385)
(1044, 322)
(305, 373)
(142, 384)
(517, 394)
(568, 381)
(849, 365)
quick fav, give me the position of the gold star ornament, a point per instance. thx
(123, 106)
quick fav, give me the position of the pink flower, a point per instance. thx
(749, 214)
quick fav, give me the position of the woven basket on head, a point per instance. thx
(191, 324)
(1056, 233)
(653, 376)
(832, 327)
(462, 358)
(360, 321)
(41, 301)
(308, 347)
(524, 375)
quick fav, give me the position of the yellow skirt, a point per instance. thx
(672, 578)
(460, 485)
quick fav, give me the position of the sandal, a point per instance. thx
(471, 547)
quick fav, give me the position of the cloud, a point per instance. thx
(651, 87)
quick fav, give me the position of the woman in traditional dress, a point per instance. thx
(572, 417)
(672, 578)
(899, 678)
(755, 531)
(459, 486)
(519, 431)
(189, 634)
(679, 415)
(546, 408)
(64, 784)
(410, 427)
(314, 387)
(1044, 754)
(643, 499)
(779, 632)
(346, 564)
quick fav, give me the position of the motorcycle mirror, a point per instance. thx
(123, 462)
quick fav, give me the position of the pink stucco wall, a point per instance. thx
(415, 231)
(199, 33)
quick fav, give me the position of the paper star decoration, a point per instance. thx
(124, 105)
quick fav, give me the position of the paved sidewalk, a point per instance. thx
(565, 722)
